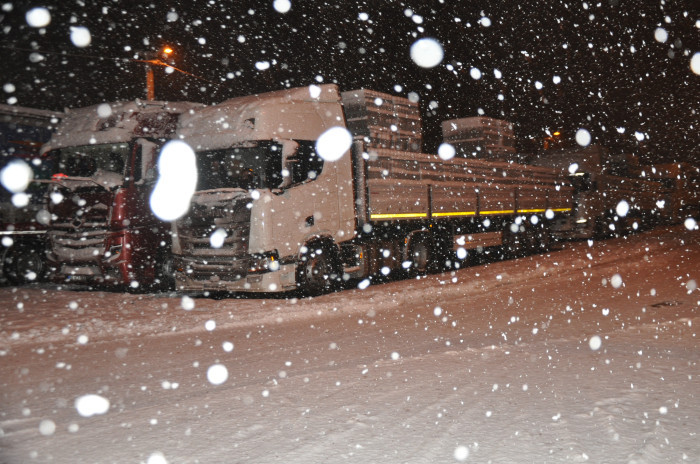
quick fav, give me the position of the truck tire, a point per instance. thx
(544, 240)
(24, 263)
(318, 270)
(420, 254)
(164, 273)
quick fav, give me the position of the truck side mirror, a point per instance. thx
(145, 166)
(290, 149)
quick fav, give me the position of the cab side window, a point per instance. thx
(306, 164)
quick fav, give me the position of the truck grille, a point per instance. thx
(198, 258)
(75, 243)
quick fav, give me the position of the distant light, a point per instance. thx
(475, 73)
(556, 134)
(167, 50)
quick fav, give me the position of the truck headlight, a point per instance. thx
(113, 252)
(265, 262)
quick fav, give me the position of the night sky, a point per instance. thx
(615, 73)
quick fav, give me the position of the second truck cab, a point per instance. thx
(102, 230)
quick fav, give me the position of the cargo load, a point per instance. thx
(383, 120)
(481, 137)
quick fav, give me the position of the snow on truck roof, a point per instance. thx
(24, 112)
(117, 122)
(263, 116)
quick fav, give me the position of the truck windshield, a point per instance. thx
(91, 160)
(251, 165)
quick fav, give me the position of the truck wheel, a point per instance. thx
(420, 255)
(24, 264)
(318, 270)
(164, 273)
(544, 240)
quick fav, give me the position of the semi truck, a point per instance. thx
(609, 199)
(22, 213)
(101, 230)
(682, 181)
(273, 213)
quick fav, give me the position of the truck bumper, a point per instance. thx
(92, 273)
(281, 280)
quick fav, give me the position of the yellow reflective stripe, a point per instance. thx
(505, 211)
(532, 210)
(463, 213)
(398, 216)
(455, 213)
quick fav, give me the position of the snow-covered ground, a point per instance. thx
(589, 353)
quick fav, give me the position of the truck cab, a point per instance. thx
(102, 231)
(258, 171)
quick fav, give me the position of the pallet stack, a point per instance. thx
(383, 120)
(481, 137)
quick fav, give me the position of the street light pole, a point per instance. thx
(150, 83)
(154, 58)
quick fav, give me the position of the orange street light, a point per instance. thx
(165, 52)
(155, 59)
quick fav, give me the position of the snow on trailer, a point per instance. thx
(383, 120)
(274, 212)
(481, 137)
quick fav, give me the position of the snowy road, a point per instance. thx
(589, 353)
